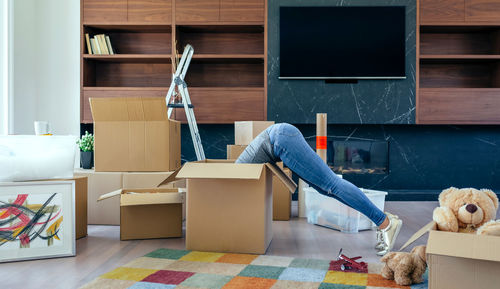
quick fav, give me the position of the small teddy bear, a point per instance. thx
(465, 210)
(405, 268)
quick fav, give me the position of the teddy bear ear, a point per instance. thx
(444, 196)
(492, 196)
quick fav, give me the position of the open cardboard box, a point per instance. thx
(149, 213)
(134, 134)
(460, 260)
(229, 206)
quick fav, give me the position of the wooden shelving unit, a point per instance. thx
(227, 76)
(459, 62)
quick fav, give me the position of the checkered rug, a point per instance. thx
(181, 269)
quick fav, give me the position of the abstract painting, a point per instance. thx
(36, 220)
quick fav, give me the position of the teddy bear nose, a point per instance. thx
(471, 208)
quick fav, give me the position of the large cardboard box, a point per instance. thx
(229, 206)
(234, 151)
(460, 260)
(246, 131)
(134, 134)
(106, 212)
(149, 213)
(282, 198)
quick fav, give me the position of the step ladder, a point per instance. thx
(178, 80)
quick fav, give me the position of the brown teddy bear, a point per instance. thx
(405, 268)
(465, 210)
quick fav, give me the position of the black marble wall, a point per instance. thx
(365, 102)
(423, 160)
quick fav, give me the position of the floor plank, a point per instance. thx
(102, 250)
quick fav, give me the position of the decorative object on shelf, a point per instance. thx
(99, 44)
(86, 144)
(40, 220)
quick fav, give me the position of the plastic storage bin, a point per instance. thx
(328, 212)
(29, 157)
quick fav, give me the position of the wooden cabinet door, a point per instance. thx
(242, 10)
(150, 11)
(442, 10)
(482, 10)
(196, 10)
(104, 11)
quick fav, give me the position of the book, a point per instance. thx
(95, 45)
(89, 48)
(108, 43)
(102, 44)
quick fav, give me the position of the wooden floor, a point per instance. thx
(102, 250)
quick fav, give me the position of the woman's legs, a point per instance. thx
(290, 146)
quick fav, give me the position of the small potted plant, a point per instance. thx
(86, 144)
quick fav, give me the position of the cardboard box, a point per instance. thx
(246, 131)
(81, 189)
(234, 151)
(460, 260)
(282, 198)
(106, 212)
(229, 206)
(149, 213)
(134, 135)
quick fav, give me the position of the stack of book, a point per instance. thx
(99, 44)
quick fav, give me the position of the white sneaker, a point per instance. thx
(390, 234)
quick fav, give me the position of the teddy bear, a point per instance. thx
(466, 210)
(405, 268)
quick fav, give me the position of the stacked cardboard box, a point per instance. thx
(229, 206)
(136, 147)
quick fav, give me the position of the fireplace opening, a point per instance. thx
(359, 156)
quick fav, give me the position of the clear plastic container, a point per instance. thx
(328, 212)
(29, 157)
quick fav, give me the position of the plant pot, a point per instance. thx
(87, 160)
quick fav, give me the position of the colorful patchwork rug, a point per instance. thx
(182, 269)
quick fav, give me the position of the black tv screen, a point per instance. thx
(342, 42)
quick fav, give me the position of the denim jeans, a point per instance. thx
(290, 146)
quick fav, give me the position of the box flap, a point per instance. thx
(128, 109)
(419, 233)
(286, 180)
(220, 170)
(110, 195)
(463, 245)
(170, 178)
(150, 197)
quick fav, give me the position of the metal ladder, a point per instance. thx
(178, 80)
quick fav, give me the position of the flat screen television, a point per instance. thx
(342, 42)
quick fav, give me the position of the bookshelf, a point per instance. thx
(459, 62)
(226, 78)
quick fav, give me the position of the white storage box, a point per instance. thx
(29, 157)
(326, 211)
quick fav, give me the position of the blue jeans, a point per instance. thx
(291, 147)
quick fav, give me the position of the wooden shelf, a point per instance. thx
(219, 23)
(130, 26)
(460, 23)
(461, 56)
(131, 58)
(121, 88)
(459, 106)
(227, 77)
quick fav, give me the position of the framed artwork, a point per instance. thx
(37, 220)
